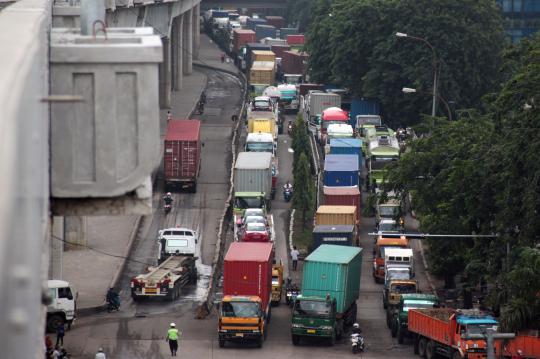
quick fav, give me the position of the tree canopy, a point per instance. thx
(352, 43)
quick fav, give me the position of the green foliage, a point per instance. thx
(300, 139)
(356, 48)
(299, 13)
(303, 195)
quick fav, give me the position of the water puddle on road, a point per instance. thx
(198, 292)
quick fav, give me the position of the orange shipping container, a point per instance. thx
(336, 215)
(261, 55)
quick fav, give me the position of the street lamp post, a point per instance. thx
(435, 68)
(446, 104)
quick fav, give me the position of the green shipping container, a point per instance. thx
(333, 270)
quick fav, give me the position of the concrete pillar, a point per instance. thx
(165, 75)
(188, 42)
(75, 232)
(196, 31)
(176, 53)
(56, 251)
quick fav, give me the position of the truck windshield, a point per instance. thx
(403, 274)
(480, 328)
(177, 243)
(388, 227)
(388, 211)
(311, 308)
(275, 281)
(240, 309)
(380, 164)
(403, 288)
(247, 203)
(260, 147)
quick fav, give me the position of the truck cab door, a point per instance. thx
(65, 300)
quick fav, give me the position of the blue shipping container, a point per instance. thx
(251, 23)
(363, 106)
(347, 146)
(341, 170)
(262, 31)
(338, 234)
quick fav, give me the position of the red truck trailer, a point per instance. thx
(343, 196)
(247, 285)
(526, 342)
(241, 37)
(182, 154)
(444, 331)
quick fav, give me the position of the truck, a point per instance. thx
(277, 283)
(247, 284)
(399, 322)
(339, 234)
(391, 208)
(527, 342)
(382, 243)
(330, 288)
(331, 116)
(343, 196)
(253, 173)
(261, 75)
(337, 131)
(176, 241)
(166, 280)
(347, 146)
(341, 170)
(182, 154)
(332, 215)
(63, 304)
(315, 102)
(263, 125)
(382, 151)
(363, 107)
(288, 97)
(445, 332)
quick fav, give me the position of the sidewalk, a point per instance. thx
(91, 271)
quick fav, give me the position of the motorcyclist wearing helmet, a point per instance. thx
(113, 297)
(168, 198)
(287, 186)
(356, 329)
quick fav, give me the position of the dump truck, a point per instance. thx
(526, 342)
(399, 322)
(330, 288)
(445, 331)
(166, 280)
(247, 284)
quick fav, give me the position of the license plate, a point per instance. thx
(239, 334)
(311, 331)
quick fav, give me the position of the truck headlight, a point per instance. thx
(255, 330)
(475, 345)
(326, 327)
(297, 325)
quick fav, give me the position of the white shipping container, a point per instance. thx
(320, 101)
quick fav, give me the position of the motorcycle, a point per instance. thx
(289, 129)
(167, 208)
(357, 343)
(292, 292)
(113, 305)
(287, 194)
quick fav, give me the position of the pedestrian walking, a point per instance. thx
(60, 331)
(100, 354)
(294, 257)
(172, 338)
(222, 58)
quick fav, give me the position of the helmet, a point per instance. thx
(356, 325)
(100, 350)
(173, 325)
(169, 194)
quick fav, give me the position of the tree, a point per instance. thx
(318, 43)
(300, 140)
(299, 13)
(303, 195)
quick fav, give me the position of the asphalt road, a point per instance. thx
(138, 330)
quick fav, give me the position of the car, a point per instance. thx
(255, 232)
(254, 219)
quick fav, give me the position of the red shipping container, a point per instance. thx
(303, 89)
(182, 153)
(242, 37)
(280, 49)
(295, 40)
(294, 62)
(343, 196)
(247, 270)
(277, 21)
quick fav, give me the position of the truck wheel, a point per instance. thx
(260, 342)
(394, 330)
(430, 350)
(384, 304)
(415, 344)
(221, 343)
(193, 277)
(332, 340)
(194, 188)
(295, 339)
(53, 322)
(456, 355)
(269, 315)
(422, 347)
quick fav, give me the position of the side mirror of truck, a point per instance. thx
(69, 296)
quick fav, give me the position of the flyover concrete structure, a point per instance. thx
(31, 239)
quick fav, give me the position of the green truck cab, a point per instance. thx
(399, 325)
(330, 288)
(243, 200)
(382, 151)
(313, 317)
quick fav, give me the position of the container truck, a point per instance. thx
(343, 235)
(251, 23)
(252, 181)
(334, 215)
(263, 55)
(337, 130)
(383, 242)
(247, 284)
(363, 107)
(383, 151)
(330, 288)
(261, 75)
(296, 40)
(254, 46)
(343, 196)
(330, 116)
(242, 37)
(399, 323)
(182, 154)
(341, 170)
(444, 331)
(279, 49)
(294, 62)
(176, 241)
(262, 31)
(288, 97)
(166, 280)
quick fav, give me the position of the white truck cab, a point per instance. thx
(261, 142)
(400, 259)
(63, 304)
(176, 241)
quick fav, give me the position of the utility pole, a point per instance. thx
(489, 337)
